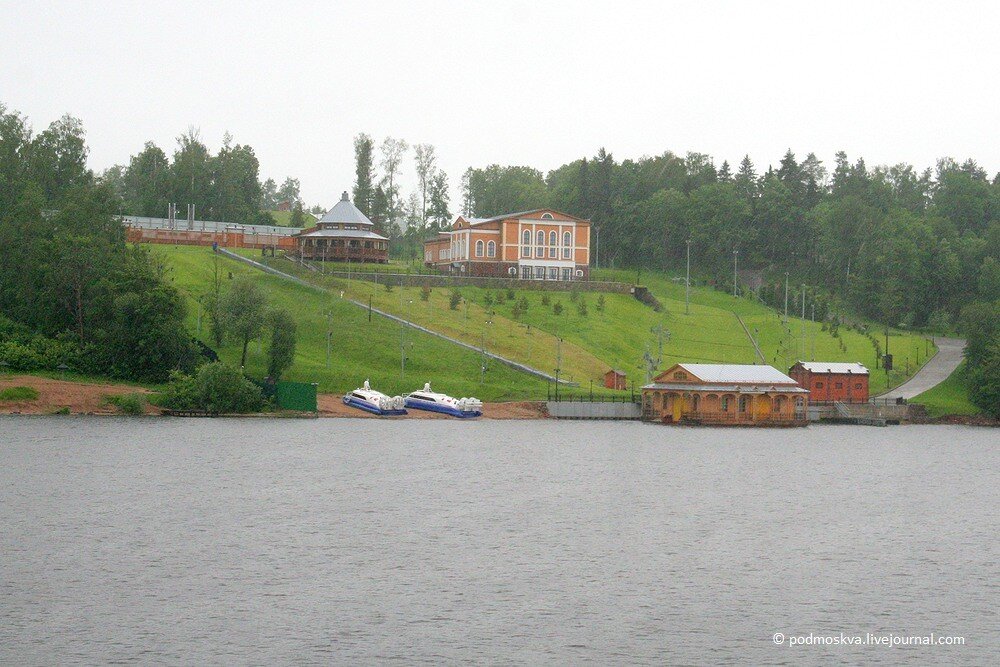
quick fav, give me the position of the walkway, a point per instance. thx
(524, 368)
(934, 372)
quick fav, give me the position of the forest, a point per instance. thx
(73, 293)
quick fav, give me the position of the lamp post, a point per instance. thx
(786, 298)
(558, 363)
(482, 363)
(736, 254)
(803, 320)
(687, 282)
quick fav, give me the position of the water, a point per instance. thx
(365, 541)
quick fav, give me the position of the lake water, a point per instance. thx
(367, 541)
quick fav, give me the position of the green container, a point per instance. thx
(299, 396)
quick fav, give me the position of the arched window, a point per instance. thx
(540, 244)
(552, 238)
(540, 239)
(526, 237)
(479, 248)
(547, 216)
(567, 245)
(491, 249)
(526, 243)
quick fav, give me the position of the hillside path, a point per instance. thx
(934, 372)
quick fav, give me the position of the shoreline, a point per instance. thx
(65, 397)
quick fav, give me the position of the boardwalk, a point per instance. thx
(941, 365)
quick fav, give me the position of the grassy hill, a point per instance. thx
(359, 349)
(951, 397)
(622, 334)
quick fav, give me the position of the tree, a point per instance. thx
(281, 350)
(438, 212)
(392, 157)
(289, 190)
(244, 307)
(298, 218)
(269, 195)
(191, 171)
(364, 173)
(423, 156)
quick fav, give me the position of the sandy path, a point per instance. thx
(80, 397)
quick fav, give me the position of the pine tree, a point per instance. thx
(364, 173)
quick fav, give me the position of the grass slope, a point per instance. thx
(359, 349)
(621, 335)
(951, 397)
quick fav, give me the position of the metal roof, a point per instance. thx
(347, 212)
(728, 388)
(834, 367)
(343, 234)
(519, 214)
(729, 373)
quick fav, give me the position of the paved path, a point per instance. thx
(524, 368)
(934, 372)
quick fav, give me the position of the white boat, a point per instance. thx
(376, 402)
(425, 399)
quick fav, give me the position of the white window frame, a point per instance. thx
(479, 248)
(491, 249)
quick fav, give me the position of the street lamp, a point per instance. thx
(736, 254)
(786, 298)
(687, 282)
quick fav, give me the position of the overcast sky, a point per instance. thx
(534, 83)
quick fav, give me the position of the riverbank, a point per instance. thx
(91, 398)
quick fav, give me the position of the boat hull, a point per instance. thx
(367, 407)
(443, 409)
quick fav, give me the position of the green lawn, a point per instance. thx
(620, 336)
(951, 397)
(360, 349)
(783, 345)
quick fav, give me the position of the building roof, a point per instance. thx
(833, 367)
(616, 371)
(518, 214)
(347, 212)
(342, 233)
(733, 373)
(723, 388)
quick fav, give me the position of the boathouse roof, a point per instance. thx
(728, 373)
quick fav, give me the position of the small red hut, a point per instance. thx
(615, 379)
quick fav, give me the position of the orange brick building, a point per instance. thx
(541, 244)
(725, 394)
(829, 381)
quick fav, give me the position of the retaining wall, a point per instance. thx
(595, 410)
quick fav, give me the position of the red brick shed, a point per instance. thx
(829, 381)
(615, 379)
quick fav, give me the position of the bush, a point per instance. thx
(425, 292)
(557, 308)
(216, 387)
(523, 303)
(488, 299)
(454, 299)
(388, 286)
(18, 394)
(600, 303)
(574, 295)
(129, 404)
(581, 307)
(510, 295)
(501, 298)
(545, 299)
